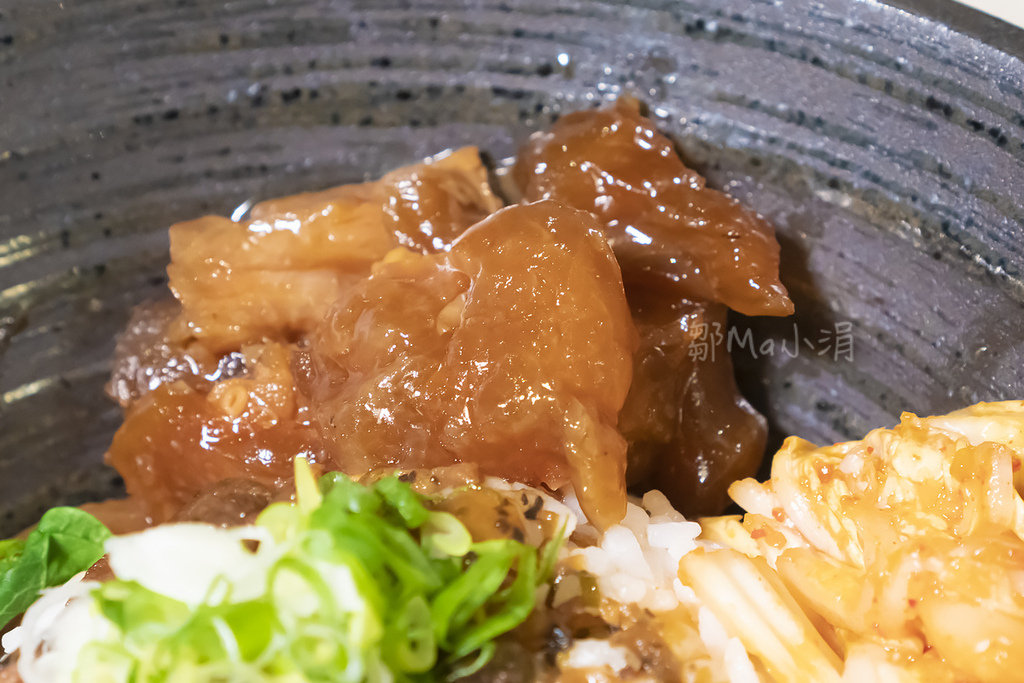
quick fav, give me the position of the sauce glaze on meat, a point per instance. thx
(410, 323)
(512, 350)
(686, 252)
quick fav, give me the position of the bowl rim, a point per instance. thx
(969, 21)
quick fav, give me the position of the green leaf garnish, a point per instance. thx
(66, 542)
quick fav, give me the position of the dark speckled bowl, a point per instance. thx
(886, 147)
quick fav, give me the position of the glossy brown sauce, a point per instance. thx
(121, 515)
(668, 229)
(429, 205)
(512, 351)
(228, 503)
(686, 253)
(409, 324)
(690, 431)
(276, 275)
(146, 356)
(176, 441)
(9, 671)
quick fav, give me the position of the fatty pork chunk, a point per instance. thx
(690, 432)
(276, 275)
(686, 252)
(511, 351)
(177, 441)
(668, 229)
(207, 383)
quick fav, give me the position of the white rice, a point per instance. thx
(636, 562)
(593, 653)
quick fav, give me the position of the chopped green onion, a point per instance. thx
(307, 493)
(445, 536)
(350, 583)
(413, 637)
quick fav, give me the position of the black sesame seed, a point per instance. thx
(534, 510)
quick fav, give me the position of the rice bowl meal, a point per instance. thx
(445, 426)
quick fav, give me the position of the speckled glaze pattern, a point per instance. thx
(887, 149)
